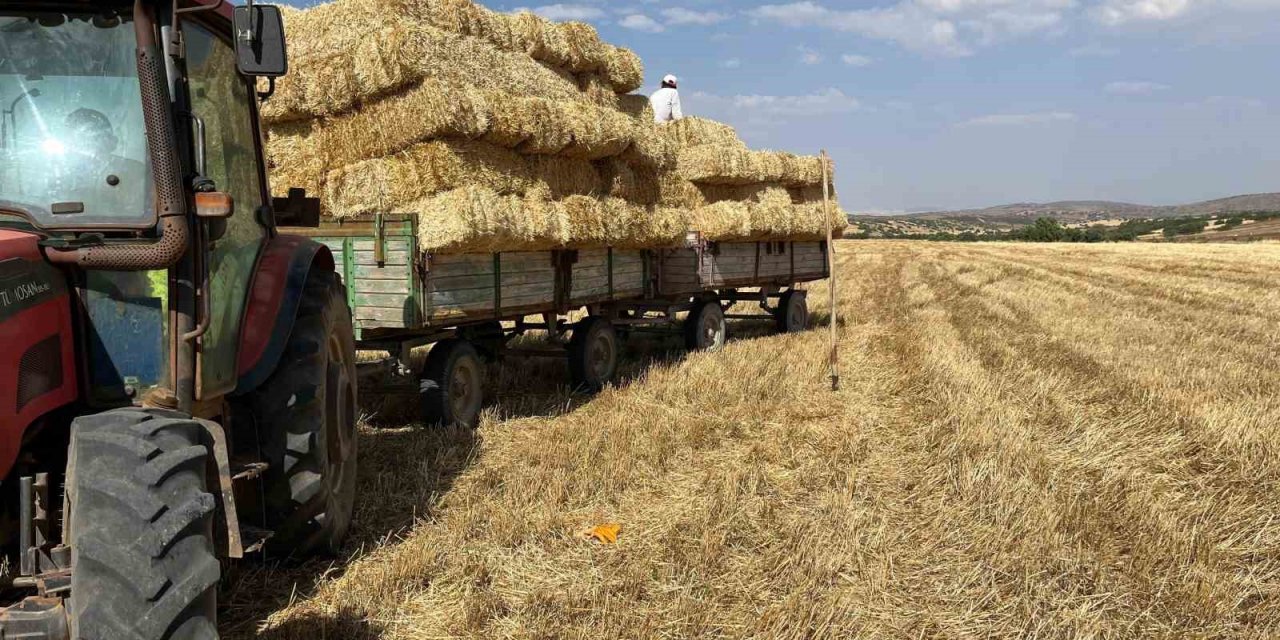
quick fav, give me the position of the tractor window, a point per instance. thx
(72, 137)
(223, 100)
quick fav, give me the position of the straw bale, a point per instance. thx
(635, 184)
(613, 222)
(531, 125)
(382, 128)
(478, 220)
(597, 90)
(694, 131)
(398, 55)
(389, 183)
(649, 147)
(733, 165)
(714, 193)
(597, 132)
(637, 106)
(678, 192)
(295, 158)
(805, 194)
(773, 218)
(624, 70)
(587, 53)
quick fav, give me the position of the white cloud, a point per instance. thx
(1139, 88)
(809, 56)
(945, 27)
(566, 11)
(681, 15)
(641, 22)
(1092, 51)
(856, 60)
(1019, 119)
(961, 27)
(731, 63)
(1117, 12)
(1233, 101)
(1123, 13)
(770, 108)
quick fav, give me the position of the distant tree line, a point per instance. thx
(1047, 229)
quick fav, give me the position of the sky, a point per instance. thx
(948, 104)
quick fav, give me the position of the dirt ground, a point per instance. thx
(1030, 441)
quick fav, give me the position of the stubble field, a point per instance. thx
(1030, 441)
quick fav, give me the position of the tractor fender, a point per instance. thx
(274, 295)
(37, 343)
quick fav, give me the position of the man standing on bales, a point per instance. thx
(666, 101)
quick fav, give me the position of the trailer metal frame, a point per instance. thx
(403, 299)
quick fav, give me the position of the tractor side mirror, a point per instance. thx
(260, 48)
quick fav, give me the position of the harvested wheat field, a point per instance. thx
(1030, 441)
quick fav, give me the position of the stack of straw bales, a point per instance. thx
(511, 132)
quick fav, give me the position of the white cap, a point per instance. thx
(668, 79)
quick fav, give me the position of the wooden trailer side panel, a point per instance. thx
(607, 274)
(811, 260)
(728, 265)
(381, 295)
(484, 286)
(775, 260)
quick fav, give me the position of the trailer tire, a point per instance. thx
(452, 385)
(306, 422)
(792, 314)
(593, 354)
(141, 532)
(705, 328)
(488, 339)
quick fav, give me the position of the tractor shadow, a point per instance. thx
(402, 473)
(404, 469)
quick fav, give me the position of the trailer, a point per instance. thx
(469, 307)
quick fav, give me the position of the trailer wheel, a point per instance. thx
(593, 354)
(306, 421)
(487, 338)
(792, 314)
(705, 329)
(452, 385)
(141, 528)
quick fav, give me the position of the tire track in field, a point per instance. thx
(1233, 335)
(1030, 347)
(1140, 288)
(942, 441)
(1162, 266)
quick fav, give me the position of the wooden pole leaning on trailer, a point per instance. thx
(834, 356)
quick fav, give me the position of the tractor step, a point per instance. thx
(254, 538)
(248, 470)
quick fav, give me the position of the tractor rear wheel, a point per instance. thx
(306, 420)
(140, 523)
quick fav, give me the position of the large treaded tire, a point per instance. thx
(140, 520)
(305, 418)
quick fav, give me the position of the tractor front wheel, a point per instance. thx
(140, 523)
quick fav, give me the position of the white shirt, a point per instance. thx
(666, 105)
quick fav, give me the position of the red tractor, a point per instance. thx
(177, 379)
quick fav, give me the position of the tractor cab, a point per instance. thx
(169, 363)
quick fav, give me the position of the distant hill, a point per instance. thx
(1078, 211)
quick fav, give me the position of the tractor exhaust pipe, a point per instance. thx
(166, 170)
